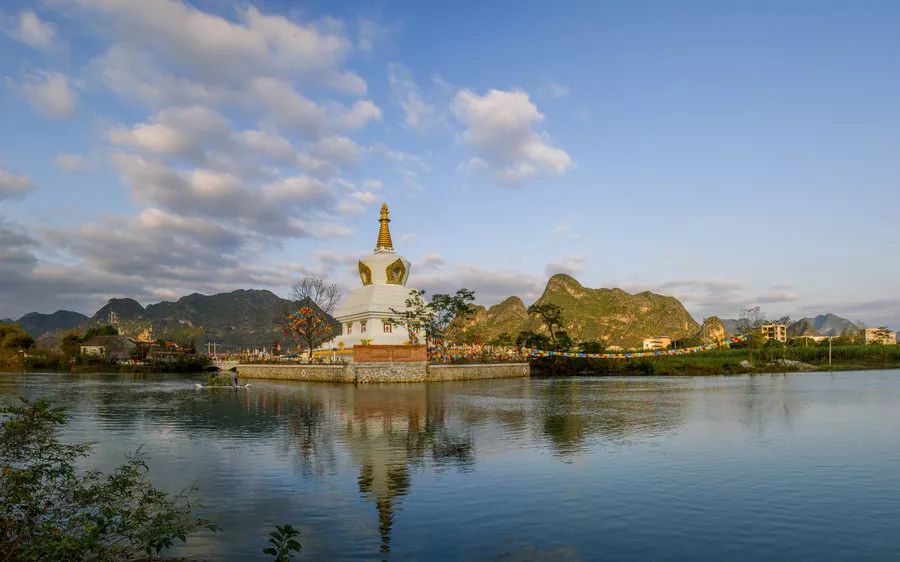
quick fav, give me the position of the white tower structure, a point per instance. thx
(366, 312)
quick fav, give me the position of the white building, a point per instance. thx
(366, 312)
(774, 332)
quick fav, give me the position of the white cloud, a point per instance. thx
(13, 185)
(417, 114)
(354, 204)
(358, 115)
(71, 163)
(48, 92)
(366, 197)
(368, 33)
(338, 149)
(268, 144)
(285, 207)
(213, 197)
(571, 265)
(181, 131)
(287, 107)
(553, 90)
(407, 165)
(776, 297)
(490, 286)
(432, 261)
(501, 135)
(220, 50)
(135, 73)
(33, 32)
(565, 230)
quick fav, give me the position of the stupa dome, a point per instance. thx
(384, 266)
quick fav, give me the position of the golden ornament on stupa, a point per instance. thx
(384, 232)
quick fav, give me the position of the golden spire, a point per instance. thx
(384, 233)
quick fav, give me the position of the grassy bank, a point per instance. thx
(727, 361)
(17, 363)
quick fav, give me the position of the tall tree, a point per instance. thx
(551, 316)
(309, 317)
(749, 324)
(431, 319)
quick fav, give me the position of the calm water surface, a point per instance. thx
(795, 467)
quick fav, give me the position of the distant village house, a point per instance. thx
(774, 332)
(118, 348)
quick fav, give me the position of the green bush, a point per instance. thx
(284, 545)
(49, 510)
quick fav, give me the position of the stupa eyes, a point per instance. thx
(396, 272)
(365, 274)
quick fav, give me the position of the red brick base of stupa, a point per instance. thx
(389, 353)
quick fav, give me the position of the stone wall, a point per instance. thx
(378, 372)
(390, 353)
(477, 371)
(322, 373)
(404, 371)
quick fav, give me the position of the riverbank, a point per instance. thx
(21, 365)
(725, 361)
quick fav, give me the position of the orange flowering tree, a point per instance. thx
(309, 318)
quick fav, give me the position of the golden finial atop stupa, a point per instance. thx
(384, 233)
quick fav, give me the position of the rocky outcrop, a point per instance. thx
(612, 316)
(615, 316)
(486, 324)
(712, 330)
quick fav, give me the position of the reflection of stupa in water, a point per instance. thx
(387, 430)
(379, 427)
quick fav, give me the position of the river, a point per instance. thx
(775, 467)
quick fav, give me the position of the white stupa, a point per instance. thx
(366, 311)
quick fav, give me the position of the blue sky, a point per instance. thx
(725, 153)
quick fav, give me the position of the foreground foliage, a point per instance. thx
(50, 510)
(284, 544)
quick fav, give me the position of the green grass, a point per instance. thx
(727, 361)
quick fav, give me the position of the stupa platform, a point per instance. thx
(384, 364)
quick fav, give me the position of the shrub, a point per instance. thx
(284, 545)
(49, 510)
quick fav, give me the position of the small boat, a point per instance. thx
(238, 387)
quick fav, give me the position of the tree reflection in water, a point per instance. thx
(574, 410)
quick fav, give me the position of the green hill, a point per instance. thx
(610, 315)
(239, 319)
(822, 325)
(37, 324)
